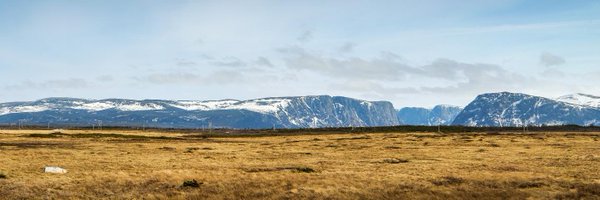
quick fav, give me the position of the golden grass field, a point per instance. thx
(154, 165)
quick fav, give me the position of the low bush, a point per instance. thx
(304, 169)
(494, 145)
(527, 184)
(191, 183)
(448, 180)
(191, 149)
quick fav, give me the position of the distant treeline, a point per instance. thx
(298, 131)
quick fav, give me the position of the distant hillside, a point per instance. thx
(439, 115)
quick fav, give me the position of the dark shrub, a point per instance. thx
(191, 183)
(305, 169)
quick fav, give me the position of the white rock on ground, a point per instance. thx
(54, 170)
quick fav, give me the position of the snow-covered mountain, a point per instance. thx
(515, 109)
(581, 99)
(286, 112)
(492, 109)
(438, 115)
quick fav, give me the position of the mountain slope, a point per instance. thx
(439, 115)
(581, 99)
(283, 112)
(514, 109)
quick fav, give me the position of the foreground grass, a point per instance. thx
(153, 165)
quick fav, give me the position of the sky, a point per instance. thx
(408, 52)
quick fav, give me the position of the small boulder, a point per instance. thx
(54, 170)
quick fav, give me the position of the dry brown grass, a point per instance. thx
(154, 165)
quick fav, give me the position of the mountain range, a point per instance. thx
(278, 112)
(491, 109)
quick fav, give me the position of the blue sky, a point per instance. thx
(412, 53)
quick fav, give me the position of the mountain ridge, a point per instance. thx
(283, 112)
(311, 111)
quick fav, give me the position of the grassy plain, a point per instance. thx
(126, 164)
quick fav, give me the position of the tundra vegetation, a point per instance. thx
(127, 164)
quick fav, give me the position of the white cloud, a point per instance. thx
(379, 68)
(347, 47)
(388, 67)
(305, 37)
(105, 78)
(549, 60)
(219, 77)
(229, 62)
(186, 63)
(265, 62)
(56, 84)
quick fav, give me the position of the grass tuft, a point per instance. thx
(448, 181)
(527, 184)
(395, 160)
(582, 191)
(191, 149)
(305, 170)
(274, 169)
(168, 148)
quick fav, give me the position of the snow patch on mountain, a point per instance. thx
(94, 106)
(580, 99)
(271, 105)
(263, 105)
(203, 105)
(23, 109)
(139, 107)
(105, 105)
